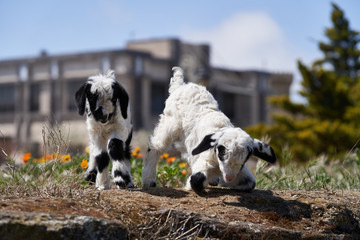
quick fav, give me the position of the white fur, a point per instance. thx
(190, 114)
(100, 134)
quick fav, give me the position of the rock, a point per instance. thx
(169, 213)
(38, 226)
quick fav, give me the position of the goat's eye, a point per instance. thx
(221, 152)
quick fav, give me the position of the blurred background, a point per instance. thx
(244, 52)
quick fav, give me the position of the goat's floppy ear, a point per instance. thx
(263, 151)
(207, 143)
(121, 94)
(80, 97)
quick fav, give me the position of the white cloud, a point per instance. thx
(250, 40)
(247, 40)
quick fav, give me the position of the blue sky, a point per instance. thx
(244, 34)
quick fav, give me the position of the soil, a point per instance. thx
(217, 213)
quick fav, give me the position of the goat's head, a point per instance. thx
(99, 97)
(233, 147)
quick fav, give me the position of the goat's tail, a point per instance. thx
(177, 79)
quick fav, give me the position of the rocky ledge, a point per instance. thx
(38, 226)
(175, 213)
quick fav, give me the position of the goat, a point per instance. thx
(215, 150)
(107, 107)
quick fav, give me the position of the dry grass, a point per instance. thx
(51, 178)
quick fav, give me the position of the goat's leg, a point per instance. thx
(164, 134)
(91, 172)
(199, 179)
(120, 154)
(102, 165)
(97, 171)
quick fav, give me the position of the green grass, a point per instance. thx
(169, 173)
(51, 178)
(61, 178)
(319, 174)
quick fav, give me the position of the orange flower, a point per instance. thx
(87, 150)
(49, 156)
(66, 158)
(84, 164)
(170, 159)
(182, 165)
(134, 154)
(26, 157)
(184, 172)
(39, 160)
(164, 156)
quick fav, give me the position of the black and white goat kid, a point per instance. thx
(215, 150)
(109, 125)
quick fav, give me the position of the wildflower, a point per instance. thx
(66, 158)
(49, 156)
(87, 150)
(39, 160)
(84, 164)
(184, 172)
(164, 156)
(134, 154)
(56, 156)
(182, 165)
(26, 157)
(170, 159)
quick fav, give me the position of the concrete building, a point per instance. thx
(40, 90)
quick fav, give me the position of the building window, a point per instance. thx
(262, 83)
(35, 91)
(7, 99)
(54, 70)
(138, 66)
(23, 72)
(105, 64)
(244, 107)
(227, 104)
(158, 97)
(72, 87)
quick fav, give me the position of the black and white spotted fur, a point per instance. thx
(107, 107)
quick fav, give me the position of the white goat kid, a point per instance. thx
(106, 104)
(215, 150)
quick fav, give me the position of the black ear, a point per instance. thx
(263, 151)
(121, 94)
(128, 140)
(205, 144)
(80, 97)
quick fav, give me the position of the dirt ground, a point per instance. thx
(224, 213)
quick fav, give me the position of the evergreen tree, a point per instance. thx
(329, 123)
(341, 51)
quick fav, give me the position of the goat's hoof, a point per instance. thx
(149, 185)
(246, 184)
(197, 181)
(90, 176)
(100, 188)
(120, 184)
